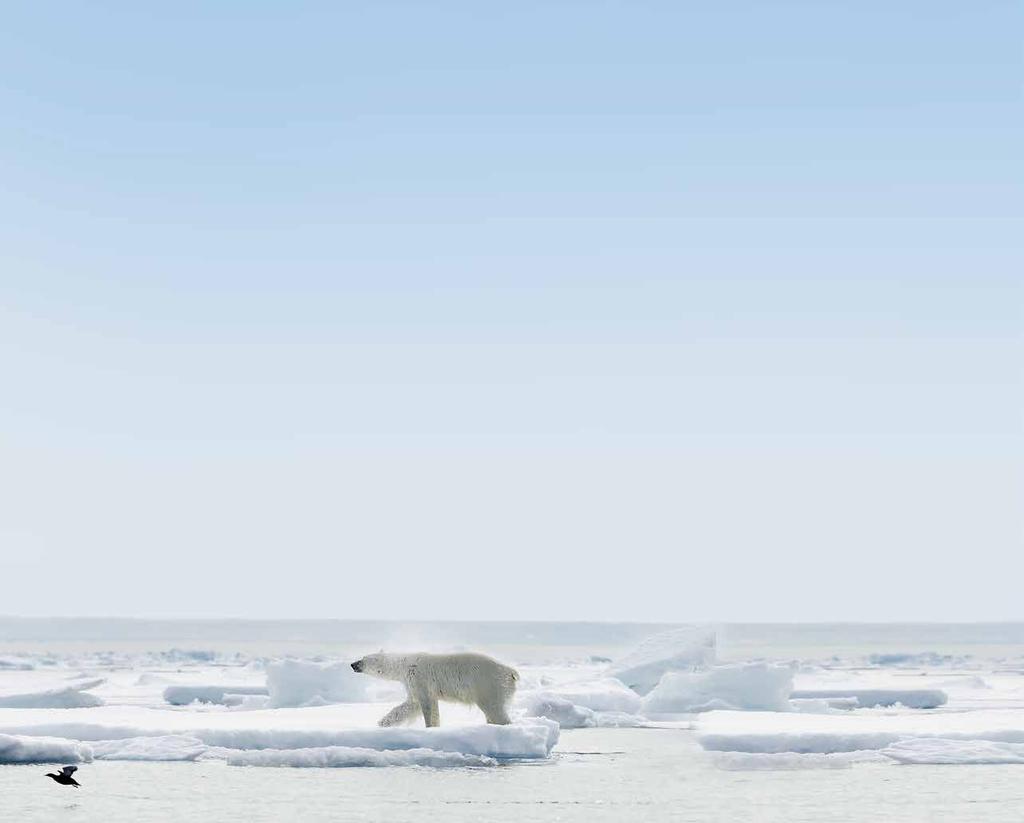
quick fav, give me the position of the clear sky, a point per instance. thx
(596, 310)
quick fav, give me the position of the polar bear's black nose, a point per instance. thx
(357, 666)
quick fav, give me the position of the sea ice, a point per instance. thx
(785, 761)
(183, 695)
(564, 712)
(305, 683)
(72, 696)
(605, 695)
(281, 729)
(162, 747)
(944, 751)
(749, 686)
(21, 749)
(682, 649)
(348, 756)
(910, 698)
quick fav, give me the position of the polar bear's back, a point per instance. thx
(465, 677)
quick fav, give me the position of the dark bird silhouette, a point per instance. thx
(65, 778)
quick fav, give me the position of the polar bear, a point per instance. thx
(460, 678)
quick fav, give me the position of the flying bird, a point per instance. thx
(65, 778)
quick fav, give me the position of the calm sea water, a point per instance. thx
(598, 774)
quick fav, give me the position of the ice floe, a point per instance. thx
(308, 683)
(751, 686)
(160, 747)
(788, 761)
(183, 695)
(24, 749)
(943, 751)
(865, 698)
(346, 757)
(71, 696)
(680, 649)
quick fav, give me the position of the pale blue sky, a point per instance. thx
(606, 310)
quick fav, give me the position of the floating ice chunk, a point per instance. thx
(72, 696)
(747, 686)
(584, 704)
(938, 750)
(183, 695)
(786, 761)
(247, 701)
(564, 712)
(163, 747)
(528, 739)
(20, 749)
(606, 695)
(911, 698)
(821, 706)
(682, 649)
(618, 720)
(15, 664)
(305, 683)
(284, 729)
(346, 756)
(800, 743)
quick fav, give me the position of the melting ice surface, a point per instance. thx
(608, 708)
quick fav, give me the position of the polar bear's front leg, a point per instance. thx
(427, 702)
(402, 713)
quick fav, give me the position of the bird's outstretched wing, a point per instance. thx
(69, 770)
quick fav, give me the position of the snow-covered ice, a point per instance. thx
(159, 747)
(943, 751)
(183, 695)
(309, 683)
(35, 749)
(346, 757)
(70, 696)
(866, 698)
(753, 686)
(681, 649)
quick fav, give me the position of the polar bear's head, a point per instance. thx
(377, 665)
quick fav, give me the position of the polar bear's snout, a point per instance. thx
(357, 666)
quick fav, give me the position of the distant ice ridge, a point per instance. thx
(747, 686)
(305, 683)
(21, 749)
(918, 659)
(683, 649)
(345, 757)
(865, 698)
(15, 664)
(184, 695)
(945, 751)
(72, 696)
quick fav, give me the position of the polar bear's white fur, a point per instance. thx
(460, 678)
